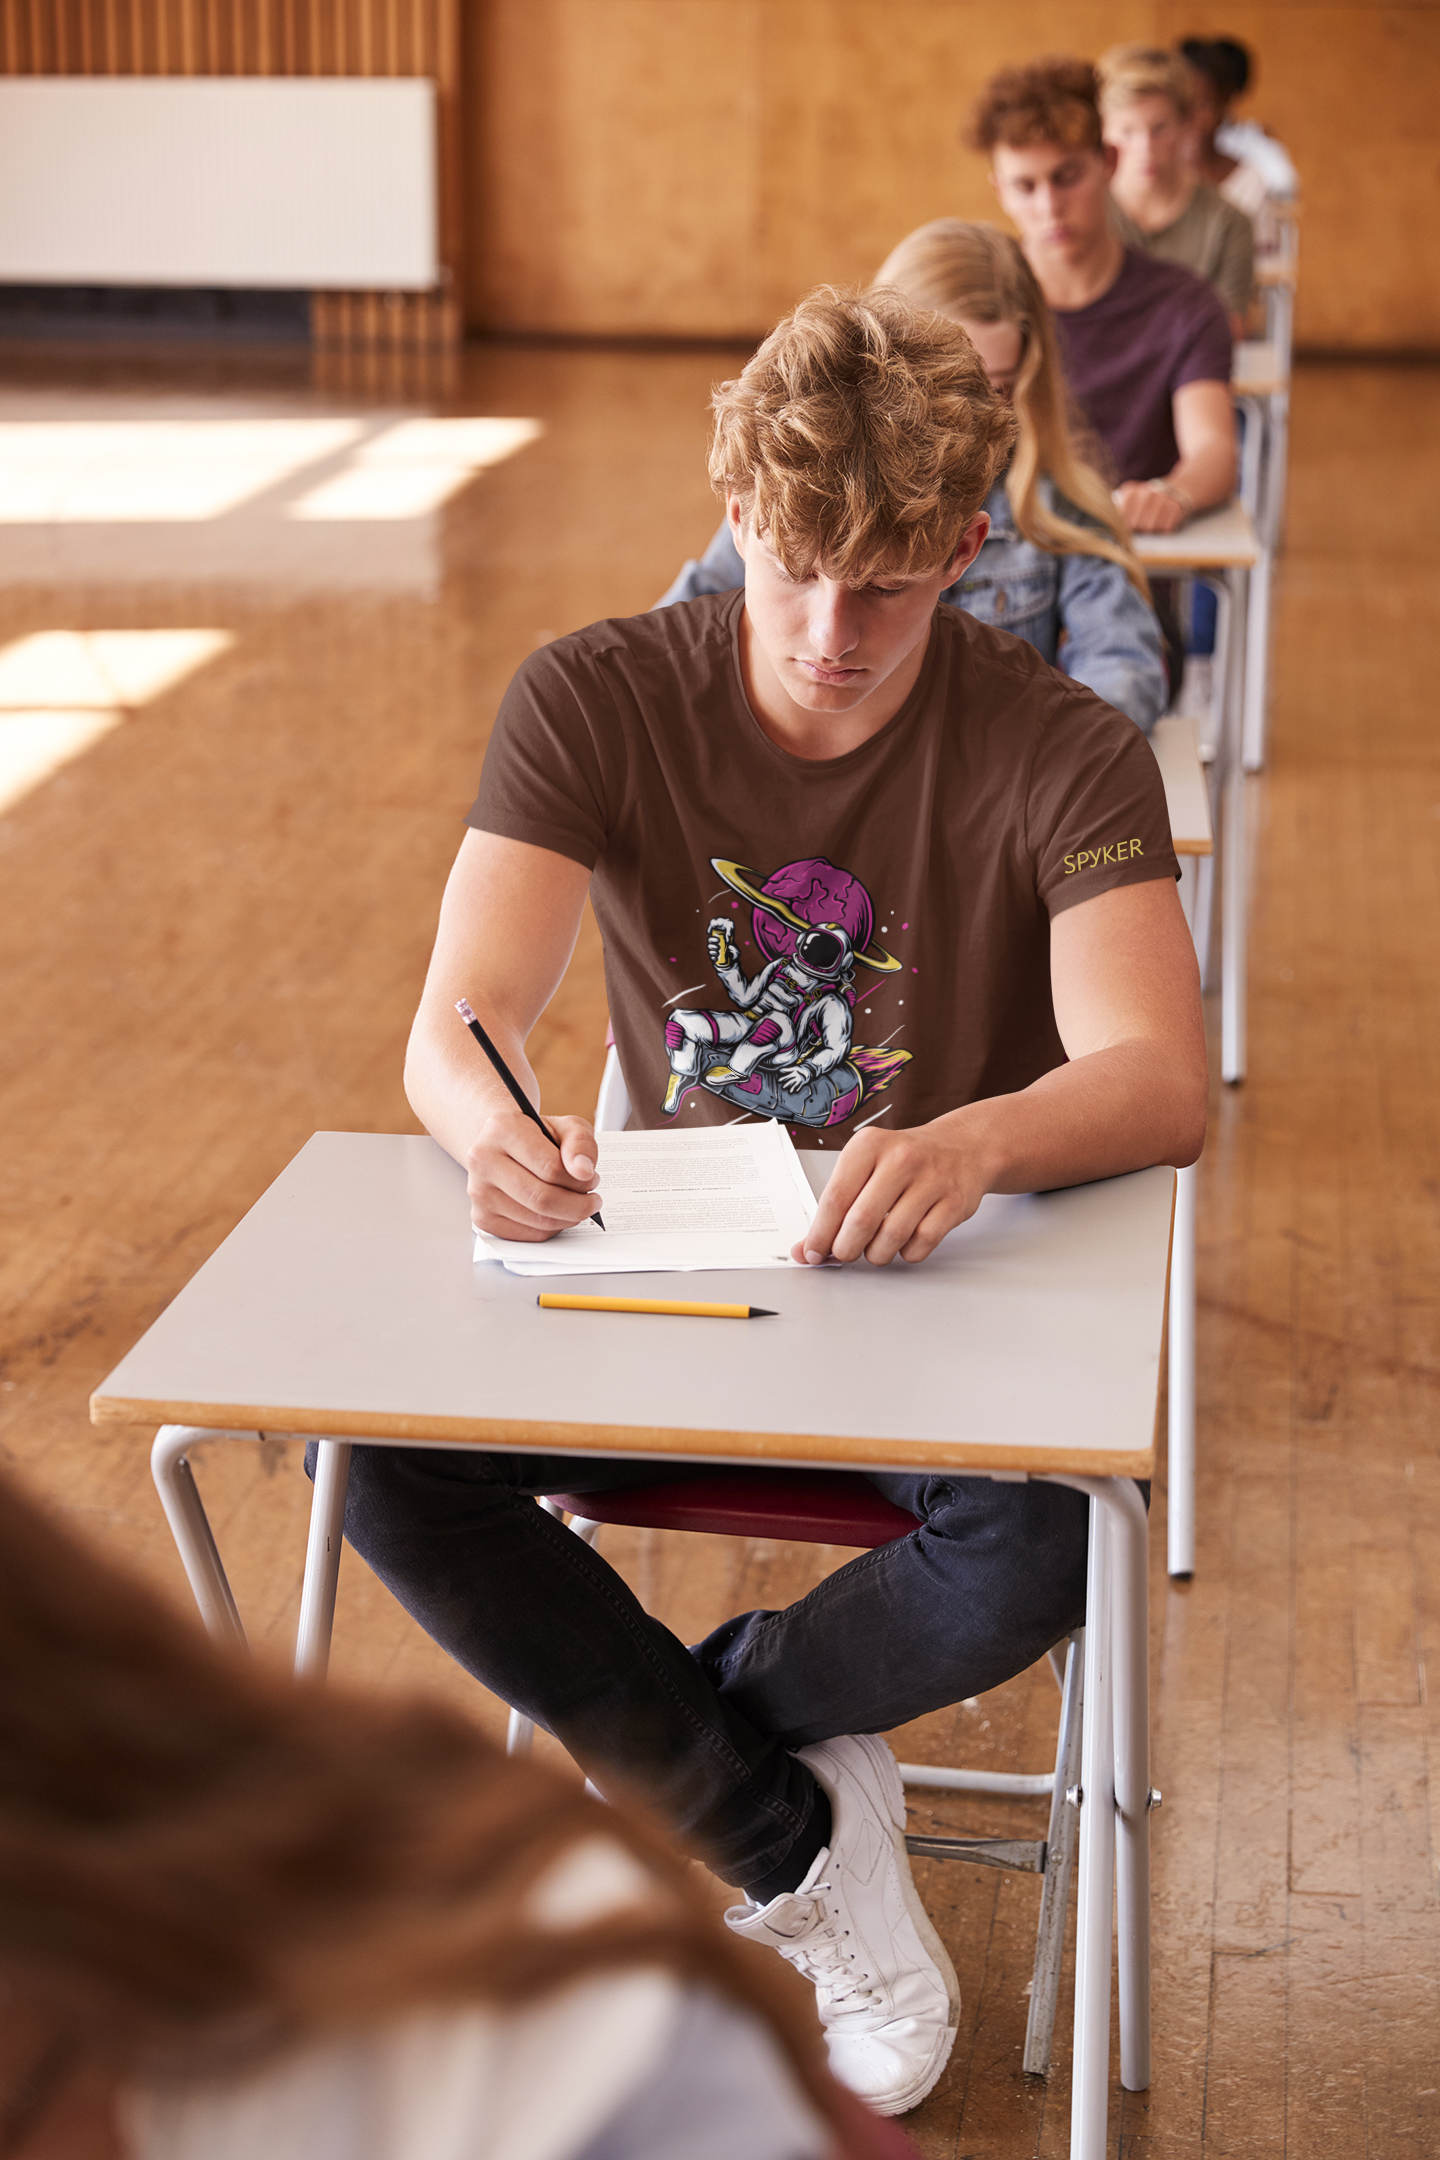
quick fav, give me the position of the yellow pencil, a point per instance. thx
(692, 1308)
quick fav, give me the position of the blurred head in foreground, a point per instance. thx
(205, 1867)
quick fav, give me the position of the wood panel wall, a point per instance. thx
(279, 37)
(223, 37)
(688, 167)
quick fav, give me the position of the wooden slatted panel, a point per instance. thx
(226, 37)
(277, 37)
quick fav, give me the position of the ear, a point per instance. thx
(967, 547)
(1111, 158)
(739, 527)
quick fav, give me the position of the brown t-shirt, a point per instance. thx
(822, 941)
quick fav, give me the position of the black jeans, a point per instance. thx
(993, 1575)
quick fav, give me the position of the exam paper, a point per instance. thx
(727, 1196)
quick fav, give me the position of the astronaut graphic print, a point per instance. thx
(782, 1043)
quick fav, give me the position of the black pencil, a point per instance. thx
(521, 1099)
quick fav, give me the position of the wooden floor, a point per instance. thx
(214, 926)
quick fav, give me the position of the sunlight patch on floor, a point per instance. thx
(61, 691)
(414, 467)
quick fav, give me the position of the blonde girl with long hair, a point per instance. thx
(1057, 568)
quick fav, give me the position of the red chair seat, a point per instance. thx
(810, 1507)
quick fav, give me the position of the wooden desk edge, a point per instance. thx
(1183, 558)
(870, 1451)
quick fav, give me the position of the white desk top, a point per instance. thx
(347, 1302)
(1258, 371)
(1216, 540)
(1187, 797)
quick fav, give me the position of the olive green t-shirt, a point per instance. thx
(823, 941)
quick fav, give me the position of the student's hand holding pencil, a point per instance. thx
(520, 1187)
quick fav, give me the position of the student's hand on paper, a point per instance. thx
(894, 1193)
(520, 1187)
(1146, 509)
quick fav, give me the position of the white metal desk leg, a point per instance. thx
(1252, 452)
(1090, 2076)
(322, 1559)
(1257, 667)
(1234, 922)
(1129, 1601)
(1181, 1460)
(1115, 1810)
(190, 1528)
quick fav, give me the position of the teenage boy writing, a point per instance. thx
(1146, 343)
(918, 788)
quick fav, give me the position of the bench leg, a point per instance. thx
(322, 1559)
(190, 1528)
(1059, 1865)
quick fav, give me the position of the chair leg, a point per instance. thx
(1059, 1865)
(520, 1733)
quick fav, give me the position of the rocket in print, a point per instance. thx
(784, 1046)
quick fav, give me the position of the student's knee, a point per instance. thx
(1019, 1549)
(398, 1494)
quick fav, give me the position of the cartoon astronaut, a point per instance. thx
(792, 1016)
(784, 1048)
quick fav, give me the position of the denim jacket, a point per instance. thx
(1112, 639)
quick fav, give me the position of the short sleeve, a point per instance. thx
(1205, 349)
(1096, 816)
(544, 779)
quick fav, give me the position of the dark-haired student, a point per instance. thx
(1249, 168)
(244, 1918)
(1146, 343)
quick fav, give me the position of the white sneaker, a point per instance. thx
(886, 1990)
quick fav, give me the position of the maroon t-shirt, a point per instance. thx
(823, 941)
(1127, 353)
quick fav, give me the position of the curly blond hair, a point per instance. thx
(863, 437)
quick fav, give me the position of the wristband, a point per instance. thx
(1176, 494)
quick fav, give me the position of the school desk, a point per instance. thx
(346, 1306)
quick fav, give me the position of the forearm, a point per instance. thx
(450, 1083)
(1117, 1109)
(1206, 474)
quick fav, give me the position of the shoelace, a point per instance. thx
(825, 1962)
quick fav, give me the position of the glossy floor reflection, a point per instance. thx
(215, 913)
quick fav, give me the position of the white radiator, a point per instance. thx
(301, 183)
